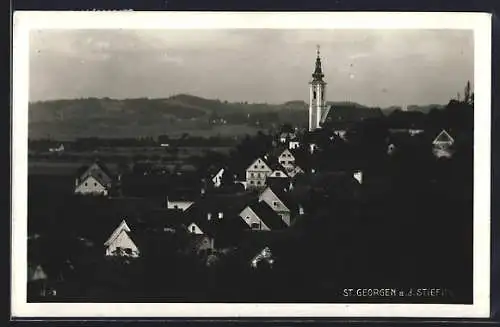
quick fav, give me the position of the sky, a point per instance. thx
(372, 67)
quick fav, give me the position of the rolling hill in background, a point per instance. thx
(105, 117)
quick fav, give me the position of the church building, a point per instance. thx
(318, 109)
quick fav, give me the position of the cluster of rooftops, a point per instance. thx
(215, 220)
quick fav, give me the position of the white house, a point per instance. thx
(312, 148)
(99, 172)
(358, 175)
(443, 140)
(341, 133)
(60, 148)
(295, 171)
(253, 220)
(217, 179)
(293, 145)
(264, 255)
(193, 228)
(257, 173)
(91, 186)
(278, 174)
(286, 159)
(442, 145)
(120, 243)
(179, 204)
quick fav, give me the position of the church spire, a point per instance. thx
(318, 72)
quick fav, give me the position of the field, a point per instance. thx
(68, 162)
(67, 132)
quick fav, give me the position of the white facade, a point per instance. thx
(286, 159)
(90, 185)
(256, 174)
(217, 179)
(194, 229)
(358, 176)
(278, 174)
(252, 220)
(293, 145)
(120, 243)
(179, 205)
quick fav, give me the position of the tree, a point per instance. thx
(467, 93)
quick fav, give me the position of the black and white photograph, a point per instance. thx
(266, 164)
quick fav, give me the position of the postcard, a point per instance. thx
(244, 164)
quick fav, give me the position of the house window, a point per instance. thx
(247, 217)
(86, 184)
(251, 174)
(278, 174)
(275, 203)
(255, 166)
(255, 226)
(251, 182)
(176, 206)
(262, 166)
(193, 229)
(95, 184)
(221, 215)
(314, 95)
(258, 182)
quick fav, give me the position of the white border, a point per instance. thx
(478, 22)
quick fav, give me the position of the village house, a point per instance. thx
(179, 204)
(279, 202)
(443, 145)
(257, 173)
(295, 144)
(265, 255)
(260, 217)
(120, 243)
(95, 180)
(217, 178)
(60, 148)
(287, 160)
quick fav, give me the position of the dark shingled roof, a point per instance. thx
(286, 198)
(267, 215)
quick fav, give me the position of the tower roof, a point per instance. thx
(318, 71)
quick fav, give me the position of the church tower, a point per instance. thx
(317, 100)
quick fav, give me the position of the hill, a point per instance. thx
(182, 113)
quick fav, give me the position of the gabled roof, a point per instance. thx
(122, 227)
(97, 178)
(443, 137)
(270, 218)
(284, 196)
(230, 205)
(263, 162)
